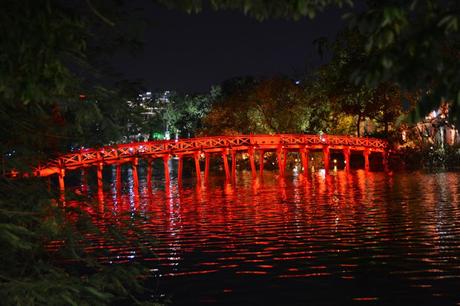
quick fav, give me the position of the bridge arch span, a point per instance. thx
(223, 145)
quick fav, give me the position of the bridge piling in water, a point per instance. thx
(279, 154)
(134, 164)
(197, 167)
(252, 162)
(99, 175)
(207, 161)
(326, 155)
(304, 158)
(61, 176)
(226, 169)
(366, 159)
(180, 167)
(233, 165)
(166, 169)
(346, 155)
(261, 161)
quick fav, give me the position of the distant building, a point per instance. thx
(151, 107)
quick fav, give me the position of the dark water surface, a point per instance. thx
(339, 239)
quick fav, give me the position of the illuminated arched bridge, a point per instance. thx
(221, 145)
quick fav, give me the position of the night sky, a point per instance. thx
(193, 52)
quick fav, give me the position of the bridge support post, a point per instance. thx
(166, 169)
(134, 164)
(252, 162)
(207, 161)
(100, 179)
(366, 159)
(261, 162)
(233, 164)
(149, 173)
(281, 163)
(304, 158)
(326, 158)
(61, 176)
(346, 155)
(285, 158)
(118, 177)
(227, 171)
(197, 167)
(180, 167)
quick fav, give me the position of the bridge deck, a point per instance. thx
(216, 144)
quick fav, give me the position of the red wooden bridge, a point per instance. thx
(206, 146)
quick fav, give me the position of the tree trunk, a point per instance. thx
(386, 128)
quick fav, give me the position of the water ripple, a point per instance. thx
(358, 238)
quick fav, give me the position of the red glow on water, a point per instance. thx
(341, 229)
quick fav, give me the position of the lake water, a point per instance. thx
(340, 239)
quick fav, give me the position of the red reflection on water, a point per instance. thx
(331, 226)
